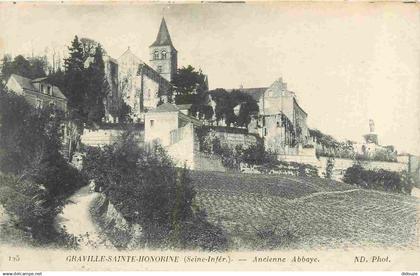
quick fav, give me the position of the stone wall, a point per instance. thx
(207, 162)
(114, 225)
(182, 151)
(234, 139)
(101, 137)
(341, 164)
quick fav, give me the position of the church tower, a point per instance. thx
(163, 55)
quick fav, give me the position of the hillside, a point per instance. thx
(272, 211)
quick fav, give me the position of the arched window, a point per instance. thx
(156, 55)
(163, 54)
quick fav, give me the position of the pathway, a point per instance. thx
(77, 220)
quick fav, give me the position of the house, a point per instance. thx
(169, 126)
(281, 121)
(162, 123)
(38, 92)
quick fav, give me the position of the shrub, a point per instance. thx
(379, 180)
(145, 187)
(30, 144)
(29, 212)
(329, 168)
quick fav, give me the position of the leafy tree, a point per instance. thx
(89, 47)
(119, 109)
(248, 106)
(30, 68)
(30, 145)
(227, 101)
(40, 178)
(188, 81)
(224, 105)
(143, 184)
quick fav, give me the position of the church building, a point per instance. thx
(143, 86)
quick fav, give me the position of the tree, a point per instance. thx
(30, 68)
(86, 88)
(97, 88)
(35, 176)
(74, 82)
(145, 187)
(89, 47)
(248, 106)
(30, 145)
(188, 81)
(224, 105)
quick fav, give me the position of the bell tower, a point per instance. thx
(163, 55)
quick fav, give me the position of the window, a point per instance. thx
(159, 69)
(152, 122)
(49, 90)
(163, 54)
(156, 55)
(42, 88)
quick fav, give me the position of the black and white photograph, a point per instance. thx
(209, 135)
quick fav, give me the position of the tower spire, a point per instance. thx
(163, 38)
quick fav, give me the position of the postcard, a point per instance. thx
(251, 136)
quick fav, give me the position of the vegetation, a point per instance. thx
(188, 81)
(85, 88)
(29, 68)
(255, 156)
(276, 212)
(330, 167)
(191, 88)
(146, 188)
(227, 101)
(330, 147)
(36, 178)
(382, 180)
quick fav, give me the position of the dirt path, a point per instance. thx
(324, 193)
(76, 219)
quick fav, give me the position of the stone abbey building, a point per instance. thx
(143, 86)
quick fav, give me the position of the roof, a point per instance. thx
(166, 107)
(27, 84)
(256, 93)
(39, 79)
(163, 38)
(183, 106)
(129, 53)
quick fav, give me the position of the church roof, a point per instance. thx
(163, 38)
(128, 53)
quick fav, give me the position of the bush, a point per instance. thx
(31, 217)
(330, 167)
(30, 144)
(146, 188)
(382, 180)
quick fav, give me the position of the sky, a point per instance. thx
(346, 62)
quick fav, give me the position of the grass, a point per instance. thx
(273, 211)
